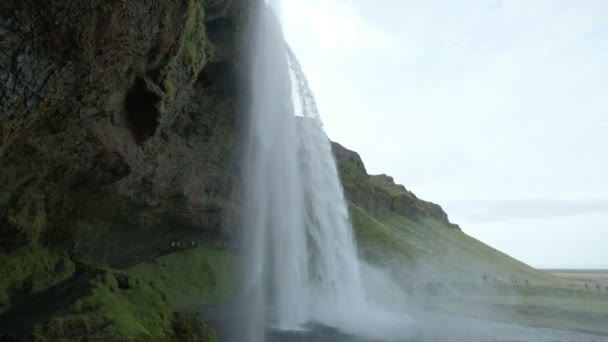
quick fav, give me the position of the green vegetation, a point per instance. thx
(137, 313)
(430, 247)
(443, 269)
(31, 269)
(378, 243)
(187, 327)
(385, 182)
(190, 51)
(61, 300)
(192, 277)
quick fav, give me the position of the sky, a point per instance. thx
(496, 110)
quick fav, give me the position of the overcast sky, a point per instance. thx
(497, 110)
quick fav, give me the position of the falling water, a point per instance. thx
(301, 261)
(334, 270)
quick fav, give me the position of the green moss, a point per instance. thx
(119, 315)
(110, 281)
(353, 176)
(386, 183)
(65, 328)
(31, 218)
(192, 277)
(110, 313)
(188, 327)
(31, 268)
(190, 50)
(170, 91)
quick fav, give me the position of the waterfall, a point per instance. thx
(335, 277)
(300, 259)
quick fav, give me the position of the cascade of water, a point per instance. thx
(332, 252)
(301, 262)
(275, 267)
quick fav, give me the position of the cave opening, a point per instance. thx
(142, 108)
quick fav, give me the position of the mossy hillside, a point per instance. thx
(379, 194)
(376, 242)
(385, 182)
(356, 184)
(190, 328)
(192, 277)
(428, 250)
(444, 252)
(31, 268)
(406, 203)
(108, 313)
(118, 307)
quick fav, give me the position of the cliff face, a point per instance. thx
(379, 194)
(116, 116)
(117, 134)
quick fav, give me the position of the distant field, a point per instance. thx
(600, 276)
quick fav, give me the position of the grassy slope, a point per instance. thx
(70, 301)
(442, 269)
(432, 249)
(32, 269)
(191, 277)
(117, 310)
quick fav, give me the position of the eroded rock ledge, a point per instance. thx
(378, 194)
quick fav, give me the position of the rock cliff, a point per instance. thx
(378, 194)
(117, 132)
(116, 116)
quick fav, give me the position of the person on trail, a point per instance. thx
(587, 286)
(485, 278)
